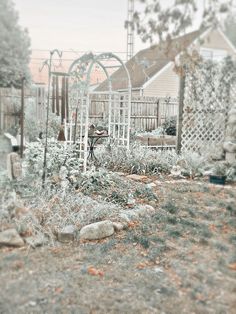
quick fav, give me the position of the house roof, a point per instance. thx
(146, 63)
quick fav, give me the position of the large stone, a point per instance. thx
(10, 237)
(143, 210)
(136, 177)
(98, 230)
(36, 241)
(67, 234)
(16, 166)
(124, 218)
(151, 185)
(118, 226)
(135, 213)
(229, 147)
(14, 157)
(230, 157)
(21, 211)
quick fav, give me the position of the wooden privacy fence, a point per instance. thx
(147, 113)
(10, 105)
(9, 108)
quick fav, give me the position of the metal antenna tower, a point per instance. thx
(130, 31)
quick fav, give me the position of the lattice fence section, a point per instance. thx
(119, 121)
(208, 96)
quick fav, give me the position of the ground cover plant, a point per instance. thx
(174, 253)
(178, 258)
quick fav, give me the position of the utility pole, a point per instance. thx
(130, 31)
(22, 116)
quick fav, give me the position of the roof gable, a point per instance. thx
(146, 63)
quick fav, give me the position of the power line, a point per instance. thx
(76, 51)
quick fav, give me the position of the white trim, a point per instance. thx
(202, 36)
(125, 89)
(196, 41)
(227, 40)
(168, 65)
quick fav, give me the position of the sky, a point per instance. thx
(88, 25)
(75, 26)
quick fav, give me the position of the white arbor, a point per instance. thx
(80, 98)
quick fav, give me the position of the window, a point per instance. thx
(213, 54)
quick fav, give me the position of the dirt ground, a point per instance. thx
(179, 259)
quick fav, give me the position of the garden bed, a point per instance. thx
(178, 259)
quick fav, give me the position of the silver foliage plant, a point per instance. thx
(59, 156)
(138, 159)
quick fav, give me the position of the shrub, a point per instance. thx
(169, 125)
(58, 155)
(138, 159)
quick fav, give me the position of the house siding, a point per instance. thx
(136, 93)
(216, 41)
(166, 84)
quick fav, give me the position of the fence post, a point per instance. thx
(158, 102)
(1, 112)
(180, 112)
(22, 117)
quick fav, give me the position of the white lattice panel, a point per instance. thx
(207, 99)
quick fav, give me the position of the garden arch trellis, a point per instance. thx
(80, 97)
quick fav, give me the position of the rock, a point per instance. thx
(177, 172)
(63, 173)
(16, 207)
(36, 241)
(131, 200)
(98, 230)
(14, 168)
(67, 234)
(132, 214)
(55, 179)
(121, 174)
(118, 226)
(207, 173)
(151, 185)
(136, 212)
(229, 147)
(124, 218)
(157, 182)
(143, 210)
(21, 211)
(136, 177)
(230, 157)
(10, 237)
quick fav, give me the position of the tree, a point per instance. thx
(230, 27)
(155, 20)
(14, 47)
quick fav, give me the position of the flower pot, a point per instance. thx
(217, 179)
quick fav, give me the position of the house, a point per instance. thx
(152, 69)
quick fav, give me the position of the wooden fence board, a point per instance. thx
(146, 113)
